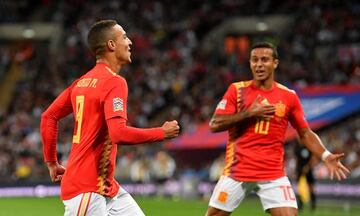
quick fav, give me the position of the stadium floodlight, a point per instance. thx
(28, 33)
(262, 26)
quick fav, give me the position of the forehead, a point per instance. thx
(119, 30)
(262, 51)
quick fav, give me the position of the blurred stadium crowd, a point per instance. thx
(171, 76)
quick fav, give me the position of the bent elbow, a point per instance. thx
(45, 118)
(214, 127)
(115, 137)
(44, 115)
(48, 114)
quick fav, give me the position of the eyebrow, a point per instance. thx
(262, 57)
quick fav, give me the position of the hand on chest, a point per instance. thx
(281, 104)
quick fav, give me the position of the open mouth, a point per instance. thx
(260, 72)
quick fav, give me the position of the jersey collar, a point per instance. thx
(269, 90)
(107, 68)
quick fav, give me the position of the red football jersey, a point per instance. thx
(95, 97)
(255, 149)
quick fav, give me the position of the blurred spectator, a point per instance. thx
(163, 167)
(140, 170)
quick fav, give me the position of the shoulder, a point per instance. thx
(114, 86)
(73, 84)
(115, 81)
(241, 84)
(236, 87)
(286, 89)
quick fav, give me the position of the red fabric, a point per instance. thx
(60, 108)
(120, 133)
(96, 99)
(255, 152)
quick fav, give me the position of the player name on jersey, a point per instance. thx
(87, 82)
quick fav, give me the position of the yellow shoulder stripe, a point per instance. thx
(239, 85)
(285, 88)
(242, 84)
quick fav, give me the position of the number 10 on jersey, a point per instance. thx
(78, 117)
(262, 126)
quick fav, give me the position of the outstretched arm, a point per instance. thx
(332, 161)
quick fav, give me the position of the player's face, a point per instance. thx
(122, 42)
(262, 63)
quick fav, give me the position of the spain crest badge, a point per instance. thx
(280, 109)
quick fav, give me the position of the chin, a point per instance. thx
(126, 61)
(260, 79)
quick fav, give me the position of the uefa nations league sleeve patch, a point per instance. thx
(118, 104)
(222, 104)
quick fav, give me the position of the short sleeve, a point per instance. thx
(297, 116)
(228, 104)
(115, 99)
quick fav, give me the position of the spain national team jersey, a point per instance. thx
(255, 150)
(95, 97)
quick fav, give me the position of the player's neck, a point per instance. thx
(264, 84)
(114, 66)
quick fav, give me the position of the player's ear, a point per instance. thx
(276, 63)
(111, 45)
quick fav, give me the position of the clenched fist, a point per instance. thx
(171, 129)
(56, 171)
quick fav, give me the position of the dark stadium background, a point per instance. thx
(185, 54)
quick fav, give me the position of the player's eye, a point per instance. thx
(265, 59)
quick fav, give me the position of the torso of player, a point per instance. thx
(91, 162)
(255, 147)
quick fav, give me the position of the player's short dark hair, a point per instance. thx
(266, 45)
(99, 34)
